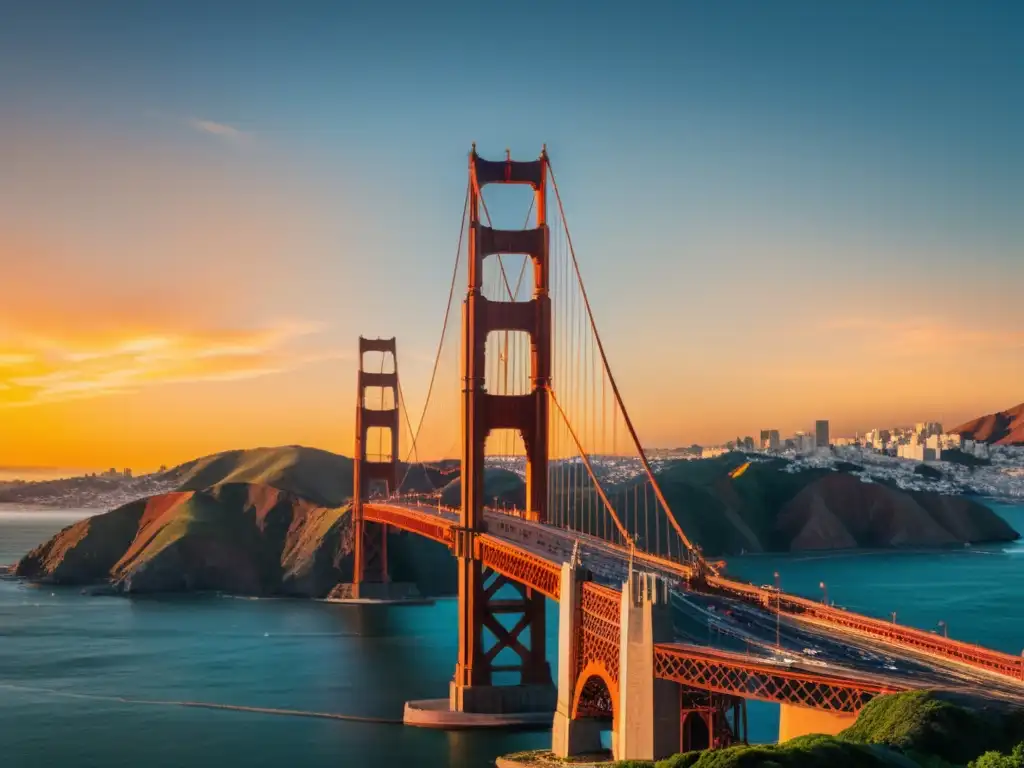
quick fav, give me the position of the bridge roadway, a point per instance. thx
(727, 625)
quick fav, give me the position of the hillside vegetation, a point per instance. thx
(919, 729)
(273, 521)
(764, 509)
(241, 538)
(320, 476)
(761, 509)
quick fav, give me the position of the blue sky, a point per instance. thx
(744, 176)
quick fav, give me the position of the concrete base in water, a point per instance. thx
(581, 736)
(799, 721)
(435, 713)
(366, 593)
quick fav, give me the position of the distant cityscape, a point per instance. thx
(918, 457)
(925, 441)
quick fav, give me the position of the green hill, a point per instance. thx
(241, 538)
(764, 508)
(727, 505)
(320, 476)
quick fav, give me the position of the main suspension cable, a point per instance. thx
(444, 330)
(611, 378)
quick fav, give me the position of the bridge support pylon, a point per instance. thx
(375, 477)
(501, 623)
(483, 610)
(648, 723)
(571, 736)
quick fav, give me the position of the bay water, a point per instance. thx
(105, 681)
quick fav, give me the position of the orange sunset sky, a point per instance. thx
(192, 237)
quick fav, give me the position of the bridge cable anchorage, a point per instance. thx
(440, 343)
(694, 552)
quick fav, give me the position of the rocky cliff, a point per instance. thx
(248, 539)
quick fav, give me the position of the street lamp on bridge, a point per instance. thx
(945, 628)
(778, 612)
(824, 589)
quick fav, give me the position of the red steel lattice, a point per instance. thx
(724, 672)
(597, 655)
(521, 566)
(431, 527)
(800, 607)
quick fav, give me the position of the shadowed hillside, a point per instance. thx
(247, 539)
(1003, 428)
(765, 509)
(270, 521)
(761, 509)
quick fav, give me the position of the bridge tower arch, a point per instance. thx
(473, 688)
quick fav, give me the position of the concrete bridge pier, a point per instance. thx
(569, 736)
(647, 723)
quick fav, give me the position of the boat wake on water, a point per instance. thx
(203, 705)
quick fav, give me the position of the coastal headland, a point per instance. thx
(274, 521)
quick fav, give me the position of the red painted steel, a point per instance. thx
(371, 541)
(907, 637)
(597, 653)
(542, 576)
(428, 526)
(724, 672)
(597, 684)
(484, 411)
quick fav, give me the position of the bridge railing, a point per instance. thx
(801, 607)
(725, 672)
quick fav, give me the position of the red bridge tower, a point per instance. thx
(373, 478)
(473, 688)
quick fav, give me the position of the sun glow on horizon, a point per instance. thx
(772, 228)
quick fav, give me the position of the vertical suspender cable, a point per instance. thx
(444, 329)
(611, 379)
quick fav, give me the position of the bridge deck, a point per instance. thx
(833, 648)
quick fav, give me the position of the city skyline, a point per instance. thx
(195, 204)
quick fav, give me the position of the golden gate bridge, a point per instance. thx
(591, 530)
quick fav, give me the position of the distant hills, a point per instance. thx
(274, 521)
(1002, 428)
(763, 508)
(320, 476)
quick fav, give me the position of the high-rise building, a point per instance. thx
(748, 443)
(821, 433)
(764, 438)
(773, 440)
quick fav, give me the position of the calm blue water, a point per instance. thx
(69, 662)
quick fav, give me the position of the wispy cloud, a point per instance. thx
(69, 369)
(221, 130)
(14, 359)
